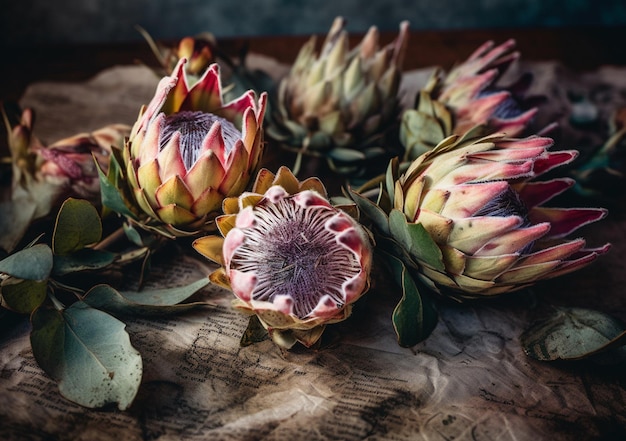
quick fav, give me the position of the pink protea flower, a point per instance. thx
(471, 90)
(294, 260)
(188, 151)
(488, 232)
(470, 95)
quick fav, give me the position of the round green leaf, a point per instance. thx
(33, 263)
(571, 334)
(78, 225)
(88, 352)
(23, 296)
(82, 260)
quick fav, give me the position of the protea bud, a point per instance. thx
(340, 103)
(65, 168)
(199, 51)
(294, 260)
(487, 230)
(470, 95)
(187, 152)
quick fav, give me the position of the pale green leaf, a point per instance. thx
(571, 334)
(88, 352)
(346, 155)
(34, 263)
(149, 302)
(372, 211)
(78, 225)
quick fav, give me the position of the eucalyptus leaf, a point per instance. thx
(88, 352)
(78, 225)
(34, 263)
(149, 302)
(133, 235)
(23, 296)
(572, 334)
(15, 218)
(82, 260)
(415, 316)
(372, 211)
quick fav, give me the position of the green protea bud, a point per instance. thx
(339, 104)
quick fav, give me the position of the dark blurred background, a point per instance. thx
(46, 22)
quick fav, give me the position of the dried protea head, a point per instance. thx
(48, 174)
(295, 261)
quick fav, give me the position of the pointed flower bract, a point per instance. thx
(294, 260)
(188, 151)
(478, 200)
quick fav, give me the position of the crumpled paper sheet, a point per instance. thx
(469, 381)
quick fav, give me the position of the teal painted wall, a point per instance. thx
(35, 22)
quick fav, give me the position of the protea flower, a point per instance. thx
(340, 103)
(294, 260)
(187, 152)
(488, 232)
(468, 96)
(48, 174)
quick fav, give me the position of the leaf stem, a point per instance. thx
(110, 239)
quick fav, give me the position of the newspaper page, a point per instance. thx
(470, 380)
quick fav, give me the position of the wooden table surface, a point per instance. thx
(577, 48)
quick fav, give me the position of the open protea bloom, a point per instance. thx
(469, 95)
(188, 151)
(294, 260)
(489, 233)
(340, 103)
(48, 174)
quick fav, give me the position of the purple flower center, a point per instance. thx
(508, 203)
(193, 128)
(293, 254)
